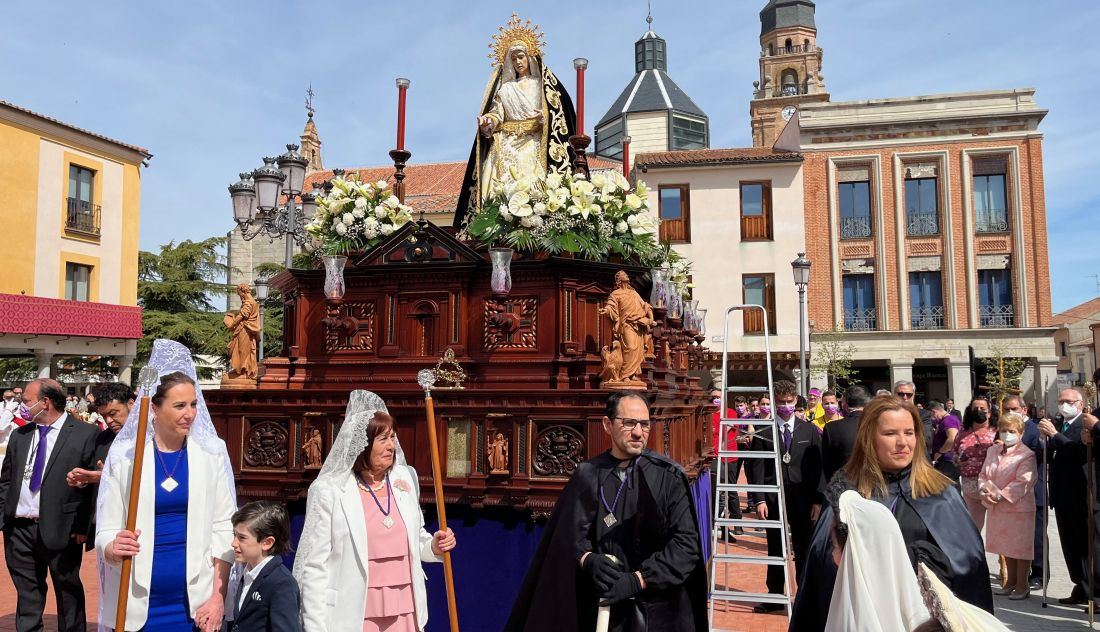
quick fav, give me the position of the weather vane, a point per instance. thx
(309, 100)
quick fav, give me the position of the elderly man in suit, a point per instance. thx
(839, 437)
(44, 520)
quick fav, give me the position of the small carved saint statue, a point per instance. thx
(631, 320)
(498, 454)
(244, 329)
(311, 450)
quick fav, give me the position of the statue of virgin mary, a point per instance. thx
(524, 123)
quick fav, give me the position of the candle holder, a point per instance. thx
(658, 294)
(501, 280)
(400, 158)
(334, 276)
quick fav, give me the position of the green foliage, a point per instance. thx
(832, 357)
(1003, 374)
(17, 370)
(182, 277)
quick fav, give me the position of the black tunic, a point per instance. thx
(655, 532)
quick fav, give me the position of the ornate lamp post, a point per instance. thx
(256, 195)
(801, 269)
(261, 287)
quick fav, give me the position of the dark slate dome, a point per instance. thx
(787, 13)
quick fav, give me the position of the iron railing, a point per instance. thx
(860, 319)
(922, 223)
(789, 50)
(82, 217)
(855, 227)
(994, 316)
(995, 221)
(926, 317)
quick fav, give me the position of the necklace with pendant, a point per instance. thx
(387, 521)
(610, 519)
(169, 483)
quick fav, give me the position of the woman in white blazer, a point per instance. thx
(182, 545)
(363, 542)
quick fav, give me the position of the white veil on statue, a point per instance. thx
(340, 462)
(168, 356)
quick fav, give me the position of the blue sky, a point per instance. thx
(209, 87)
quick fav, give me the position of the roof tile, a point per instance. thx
(696, 157)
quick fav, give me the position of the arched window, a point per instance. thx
(771, 50)
(789, 83)
(805, 46)
(788, 45)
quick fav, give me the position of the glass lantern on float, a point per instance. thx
(701, 326)
(334, 276)
(690, 315)
(658, 296)
(675, 302)
(501, 280)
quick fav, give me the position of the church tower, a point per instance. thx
(652, 110)
(311, 139)
(790, 68)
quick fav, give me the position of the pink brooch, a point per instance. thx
(402, 486)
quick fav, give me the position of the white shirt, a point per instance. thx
(28, 500)
(246, 581)
(787, 426)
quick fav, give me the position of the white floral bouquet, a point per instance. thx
(555, 213)
(355, 216)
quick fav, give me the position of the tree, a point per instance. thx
(832, 358)
(1003, 374)
(272, 311)
(175, 290)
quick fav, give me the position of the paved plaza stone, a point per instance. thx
(1019, 616)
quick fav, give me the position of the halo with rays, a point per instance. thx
(524, 32)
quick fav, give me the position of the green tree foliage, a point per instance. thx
(272, 311)
(1003, 374)
(832, 358)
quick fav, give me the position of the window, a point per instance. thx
(756, 211)
(855, 209)
(1062, 348)
(926, 300)
(81, 213)
(78, 281)
(673, 211)
(990, 210)
(609, 140)
(789, 80)
(859, 302)
(759, 289)
(921, 206)
(995, 308)
(688, 133)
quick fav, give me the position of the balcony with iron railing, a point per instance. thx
(996, 316)
(922, 223)
(788, 50)
(926, 317)
(855, 227)
(82, 217)
(993, 221)
(860, 319)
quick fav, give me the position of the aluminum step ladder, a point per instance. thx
(723, 565)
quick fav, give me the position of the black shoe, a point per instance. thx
(764, 608)
(1073, 600)
(738, 531)
(730, 539)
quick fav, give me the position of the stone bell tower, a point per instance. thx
(790, 68)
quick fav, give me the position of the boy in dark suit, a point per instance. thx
(267, 599)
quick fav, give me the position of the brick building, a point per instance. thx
(925, 218)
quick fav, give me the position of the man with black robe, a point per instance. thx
(636, 506)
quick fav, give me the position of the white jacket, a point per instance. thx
(210, 508)
(334, 578)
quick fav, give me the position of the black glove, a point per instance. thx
(627, 586)
(603, 571)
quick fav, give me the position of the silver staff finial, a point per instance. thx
(147, 378)
(426, 379)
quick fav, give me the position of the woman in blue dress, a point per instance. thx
(182, 546)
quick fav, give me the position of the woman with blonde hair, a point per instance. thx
(889, 465)
(1007, 488)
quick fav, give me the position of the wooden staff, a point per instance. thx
(146, 379)
(426, 379)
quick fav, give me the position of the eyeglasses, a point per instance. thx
(904, 395)
(1068, 401)
(630, 423)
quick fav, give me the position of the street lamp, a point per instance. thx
(801, 269)
(261, 288)
(256, 195)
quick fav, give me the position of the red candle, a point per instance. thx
(580, 64)
(402, 87)
(626, 157)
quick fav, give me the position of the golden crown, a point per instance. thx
(516, 32)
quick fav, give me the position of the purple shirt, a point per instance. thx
(940, 437)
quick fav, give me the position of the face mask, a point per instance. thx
(765, 410)
(25, 412)
(742, 409)
(981, 416)
(831, 408)
(800, 415)
(1010, 438)
(716, 401)
(784, 411)
(1069, 411)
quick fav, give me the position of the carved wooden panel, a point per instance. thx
(558, 450)
(522, 312)
(312, 452)
(267, 445)
(362, 339)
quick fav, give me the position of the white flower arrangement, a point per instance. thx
(355, 216)
(590, 218)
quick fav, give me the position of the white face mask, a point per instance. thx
(1069, 411)
(1010, 438)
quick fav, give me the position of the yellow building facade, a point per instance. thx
(70, 203)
